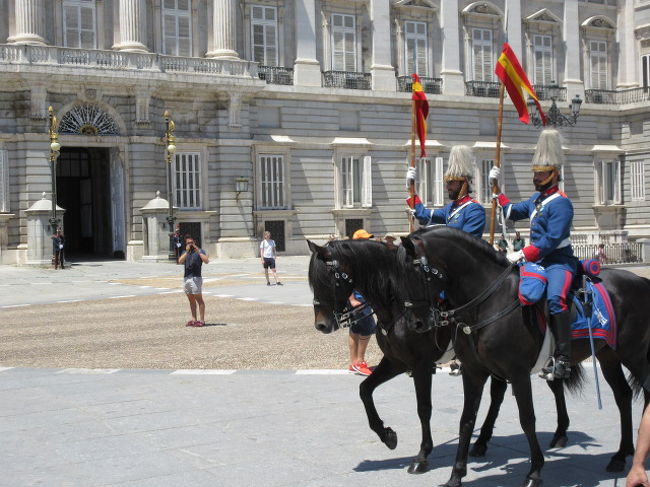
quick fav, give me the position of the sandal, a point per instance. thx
(190, 323)
(199, 323)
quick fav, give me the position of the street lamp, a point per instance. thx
(55, 151)
(553, 115)
(170, 150)
(241, 186)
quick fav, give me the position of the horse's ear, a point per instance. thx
(317, 250)
(407, 243)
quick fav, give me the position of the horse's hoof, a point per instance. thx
(390, 438)
(559, 441)
(478, 450)
(533, 483)
(616, 465)
(418, 466)
(452, 482)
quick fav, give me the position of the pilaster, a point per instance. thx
(307, 69)
(453, 82)
(574, 84)
(383, 73)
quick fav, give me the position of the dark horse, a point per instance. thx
(493, 336)
(371, 268)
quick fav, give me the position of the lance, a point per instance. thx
(497, 162)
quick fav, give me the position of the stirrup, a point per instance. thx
(455, 367)
(555, 369)
(547, 371)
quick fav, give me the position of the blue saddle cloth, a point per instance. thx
(603, 318)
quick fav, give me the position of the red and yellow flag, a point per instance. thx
(515, 80)
(421, 106)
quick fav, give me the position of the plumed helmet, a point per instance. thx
(548, 153)
(461, 164)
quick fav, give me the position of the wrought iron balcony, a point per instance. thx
(429, 85)
(550, 92)
(488, 89)
(124, 61)
(617, 97)
(346, 79)
(275, 75)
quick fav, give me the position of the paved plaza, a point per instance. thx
(101, 384)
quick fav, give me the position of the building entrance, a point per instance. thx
(83, 190)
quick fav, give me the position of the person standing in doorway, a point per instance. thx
(268, 256)
(57, 248)
(193, 258)
(177, 242)
(518, 243)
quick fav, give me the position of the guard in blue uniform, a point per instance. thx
(550, 212)
(463, 212)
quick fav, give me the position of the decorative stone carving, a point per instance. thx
(142, 102)
(38, 102)
(234, 110)
(88, 120)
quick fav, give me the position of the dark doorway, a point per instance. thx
(83, 191)
(276, 227)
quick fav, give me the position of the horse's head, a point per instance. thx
(422, 285)
(332, 285)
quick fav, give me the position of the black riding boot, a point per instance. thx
(559, 366)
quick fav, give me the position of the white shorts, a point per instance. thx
(193, 285)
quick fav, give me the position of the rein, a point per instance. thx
(347, 317)
(447, 317)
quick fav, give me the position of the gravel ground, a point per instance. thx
(149, 332)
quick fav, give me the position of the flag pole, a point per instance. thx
(497, 162)
(412, 161)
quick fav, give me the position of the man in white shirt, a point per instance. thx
(267, 254)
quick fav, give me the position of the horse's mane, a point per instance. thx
(372, 264)
(464, 239)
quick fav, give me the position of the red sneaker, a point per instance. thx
(351, 368)
(362, 368)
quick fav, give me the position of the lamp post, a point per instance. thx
(553, 115)
(55, 150)
(170, 150)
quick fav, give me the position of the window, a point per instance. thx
(344, 54)
(543, 52)
(4, 181)
(177, 28)
(264, 35)
(430, 186)
(598, 65)
(186, 180)
(415, 43)
(356, 181)
(637, 176)
(645, 70)
(484, 191)
(482, 58)
(608, 182)
(271, 182)
(79, 24)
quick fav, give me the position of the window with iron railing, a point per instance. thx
(598, 70)
(543, 52)
(344, 43)
(416, 47)
(482, 55)
(264, 35)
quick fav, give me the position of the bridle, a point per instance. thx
(348, 316)
(445, 317)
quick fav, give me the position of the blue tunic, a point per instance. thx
(465, 214)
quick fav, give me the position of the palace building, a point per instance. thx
(294, 116)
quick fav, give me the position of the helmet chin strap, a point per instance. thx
(464, 190)
(546, 184)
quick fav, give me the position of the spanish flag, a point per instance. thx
(421, 107)
(514, 78)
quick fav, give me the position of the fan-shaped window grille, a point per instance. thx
(88, 120)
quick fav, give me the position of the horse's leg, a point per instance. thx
(422, 377)
(385, 371)
(473, 383)
(497, 392)
(559, 438)
(613, 374)
(524, 395)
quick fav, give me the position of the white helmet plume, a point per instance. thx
(548, 153)
(461, 164)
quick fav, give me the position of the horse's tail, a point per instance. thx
(576, 380)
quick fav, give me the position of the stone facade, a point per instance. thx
(306, 100)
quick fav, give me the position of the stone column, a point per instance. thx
(513, 27)
(573, 51)
(307, 69)
(627, 56)
(39, 243)
(224, 25)
(452, 76)
(30, 23)
(133, 28)
(383, 73)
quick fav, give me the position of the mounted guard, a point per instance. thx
(463, 212)
(551, 215)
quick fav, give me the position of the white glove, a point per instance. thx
(495, 173)
(515, 257)
(411, 176)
